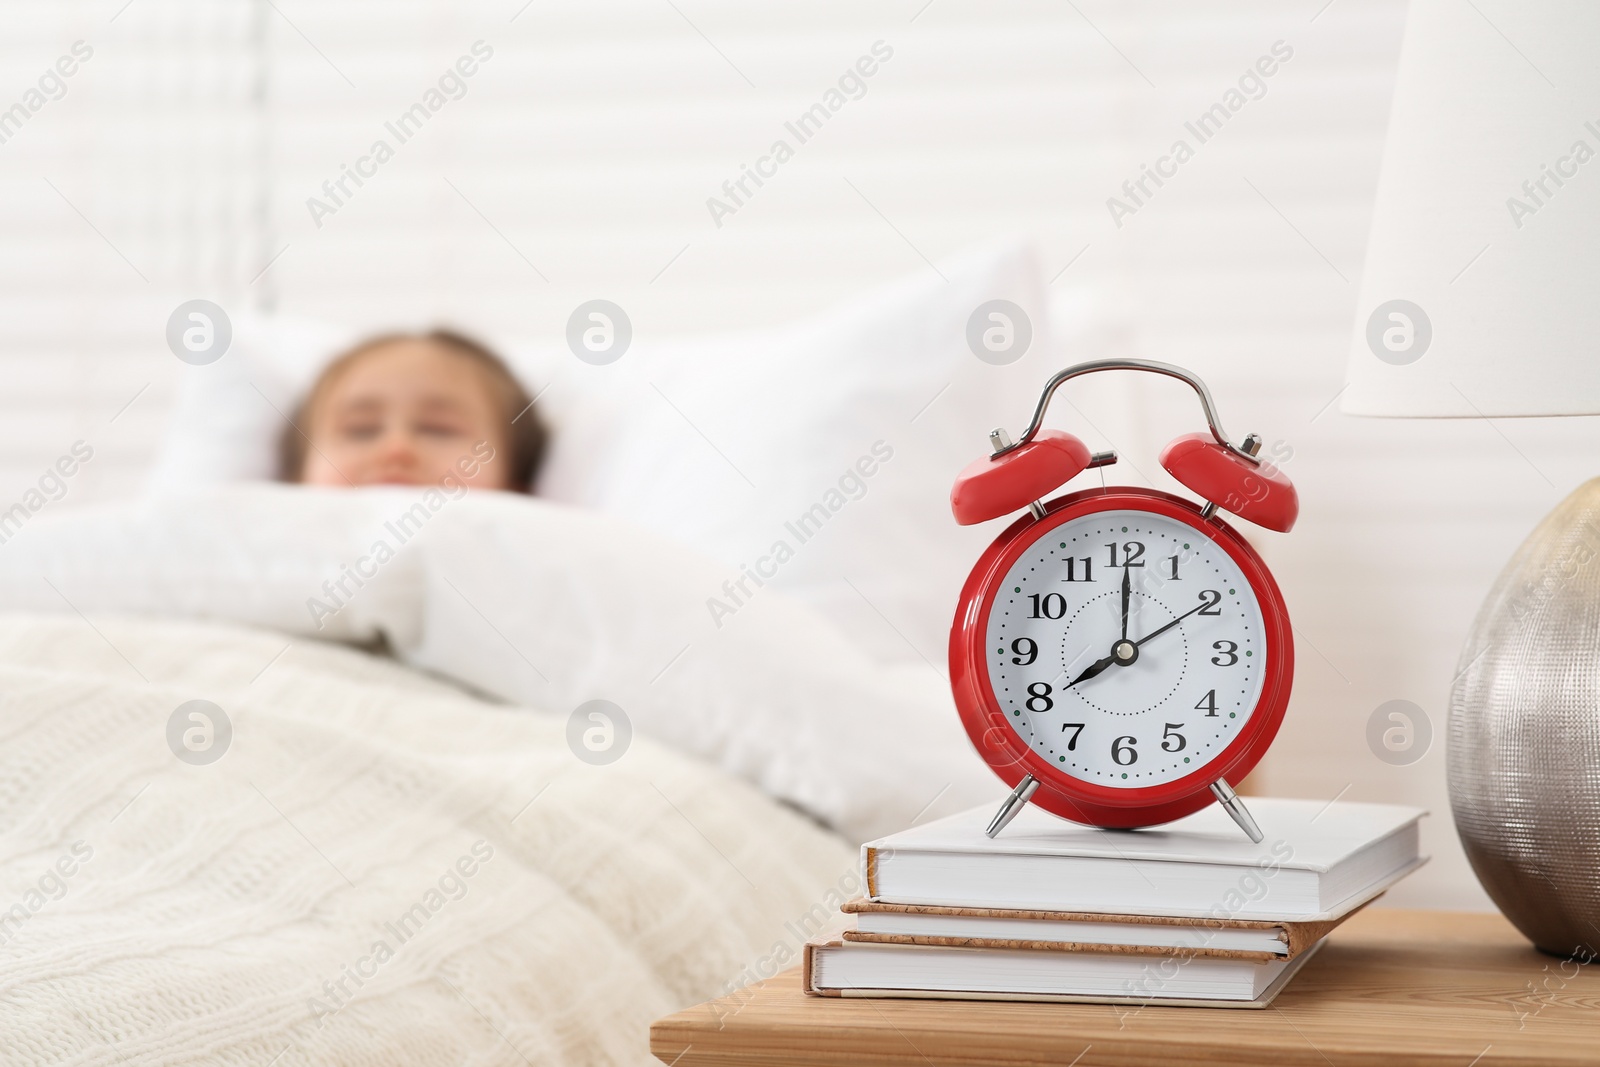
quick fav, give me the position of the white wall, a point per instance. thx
(578, 165)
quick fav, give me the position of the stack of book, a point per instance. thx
(1188, 913)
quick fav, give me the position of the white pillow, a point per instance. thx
(755, 449)
(541, 604)
(229, 415)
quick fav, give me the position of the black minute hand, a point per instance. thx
(1126, 589)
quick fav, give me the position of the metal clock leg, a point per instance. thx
(1235, 807)
(1013, 804)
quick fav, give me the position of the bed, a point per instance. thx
(237, 830)
(380, 869)
(408, 777)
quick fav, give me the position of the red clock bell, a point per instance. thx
(1119, 655)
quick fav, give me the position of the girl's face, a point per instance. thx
(404, 414)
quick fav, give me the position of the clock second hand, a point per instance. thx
(1170, 625)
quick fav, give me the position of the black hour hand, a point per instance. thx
(1099, 666)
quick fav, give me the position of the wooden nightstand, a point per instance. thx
(1390, 988)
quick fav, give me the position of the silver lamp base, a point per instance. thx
(1524, 740)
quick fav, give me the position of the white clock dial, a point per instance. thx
(1135, 708)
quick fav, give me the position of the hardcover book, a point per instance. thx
(832, 966)
(1318, 860)
(1066, 931)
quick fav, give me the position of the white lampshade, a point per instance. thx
(1506, 274)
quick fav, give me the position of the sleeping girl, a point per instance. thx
(435, 408)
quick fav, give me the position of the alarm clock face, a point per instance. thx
(1135, 697)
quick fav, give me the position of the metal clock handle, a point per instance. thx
(1244, 450)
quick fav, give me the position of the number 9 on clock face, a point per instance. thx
(1134, 655)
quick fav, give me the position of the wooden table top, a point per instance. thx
(1390, 987)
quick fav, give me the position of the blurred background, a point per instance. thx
(577, 162)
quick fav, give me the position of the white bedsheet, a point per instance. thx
(542, 605)
(211, 913)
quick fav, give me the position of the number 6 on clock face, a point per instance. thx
(1135, 651)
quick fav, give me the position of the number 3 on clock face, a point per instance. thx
(1134, 651)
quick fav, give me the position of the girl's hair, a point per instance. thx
(525, 432)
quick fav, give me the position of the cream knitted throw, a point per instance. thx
(380, 870)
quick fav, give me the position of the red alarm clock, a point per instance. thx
(1119, 655)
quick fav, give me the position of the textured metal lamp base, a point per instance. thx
(1524, 743)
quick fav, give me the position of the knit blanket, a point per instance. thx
(334, 859)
